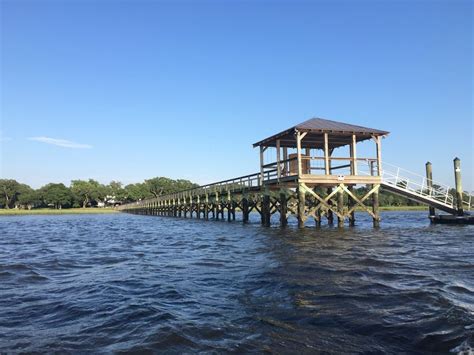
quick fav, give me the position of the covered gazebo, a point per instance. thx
(318, 134)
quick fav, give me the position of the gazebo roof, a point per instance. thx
(339, 134)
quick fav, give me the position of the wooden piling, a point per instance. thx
(301, 205)
(266, 210)
(340, 208)
(329, 213)
(375, 208)
(245, 209)
(283, 209)
(351, 203)
(429, 183)
(458, 183)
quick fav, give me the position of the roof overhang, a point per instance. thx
(314, 137)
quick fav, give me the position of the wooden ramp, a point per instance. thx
(418, 197)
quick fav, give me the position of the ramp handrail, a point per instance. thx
(418, 184)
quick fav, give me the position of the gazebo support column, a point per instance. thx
(353, 150)
(327, 169)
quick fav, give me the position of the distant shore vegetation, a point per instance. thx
(86, 194)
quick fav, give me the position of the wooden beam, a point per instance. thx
(262, 162)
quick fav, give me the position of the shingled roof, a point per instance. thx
(339, 134)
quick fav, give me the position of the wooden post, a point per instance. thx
(206, 208)
(429, 183)
(317, 218)
(185, 206)
(375, 208)
(283, 209)
(354, 155)
(340, 208)
(278, 159)
(301, 205)
(326, 154)
(216, 207)
(245, 209)
(234, 204)
(329, 214)
(298, 152)
(229, 208)
(266, 210)
(198, 207)
(286, 164)
(458, 182)
(191, 206)
(262, 162)
(378, 143)
(351, 204)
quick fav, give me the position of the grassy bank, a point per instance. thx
(49, 211)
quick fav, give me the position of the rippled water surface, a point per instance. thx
(113, 283)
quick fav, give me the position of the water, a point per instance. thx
(125, 283)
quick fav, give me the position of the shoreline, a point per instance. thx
(48, 211)
(65, 211)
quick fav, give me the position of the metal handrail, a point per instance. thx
(417, 184)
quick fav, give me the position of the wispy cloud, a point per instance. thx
(60, 142)
(3, 138)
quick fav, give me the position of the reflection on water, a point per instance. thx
(134, 283)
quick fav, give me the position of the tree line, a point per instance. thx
(85, 193)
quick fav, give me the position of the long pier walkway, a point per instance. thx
(307, 179)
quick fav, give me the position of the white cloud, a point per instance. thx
(60, 142)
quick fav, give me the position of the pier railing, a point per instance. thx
(251, 181)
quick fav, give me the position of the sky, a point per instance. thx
(129, 90)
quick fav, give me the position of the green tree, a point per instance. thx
(159, 185)
(136, 192)
(162, 185)
(9, 189)
(117, 191)
(28, 197)
(56, 195)
(87, 191)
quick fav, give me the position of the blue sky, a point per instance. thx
(128, 90)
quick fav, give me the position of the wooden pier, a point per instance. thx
(311, 174)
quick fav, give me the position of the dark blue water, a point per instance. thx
(126, 283)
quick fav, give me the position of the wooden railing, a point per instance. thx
(236, 184)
